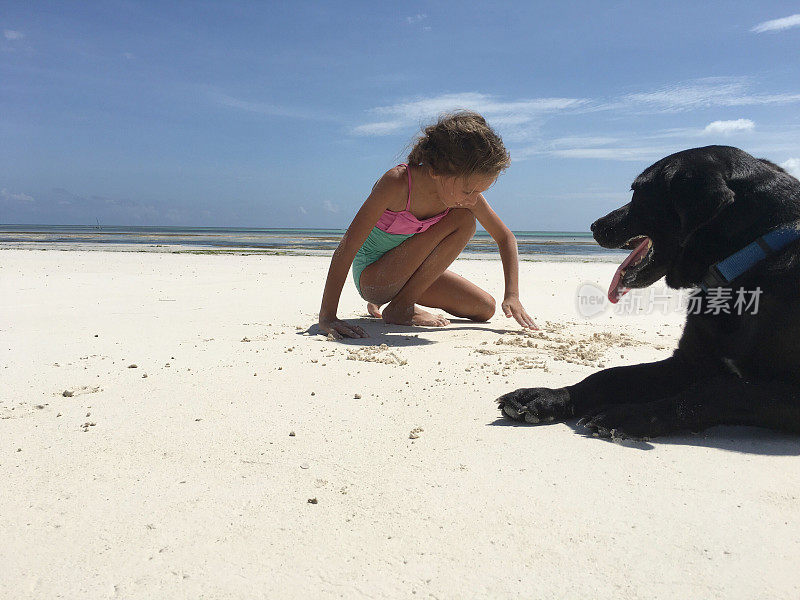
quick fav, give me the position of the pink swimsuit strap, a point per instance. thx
(408, 172)
(404, 222)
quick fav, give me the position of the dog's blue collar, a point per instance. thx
(725, 271)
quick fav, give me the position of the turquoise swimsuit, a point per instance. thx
(391, 230)
(376, 245)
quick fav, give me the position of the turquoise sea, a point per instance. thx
(533, 245)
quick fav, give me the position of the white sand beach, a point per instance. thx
(172, 427)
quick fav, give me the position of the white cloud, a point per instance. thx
(128, 55)
(700, 93)
(647, 147)
(302, 210)
(416, 18)
(263, 108)
(413, 113)
(519, 118)
(330, 206)
(12, 197)
(10, 34)
(527, 124)
(381, 128)
(729, 126)
(704, 93)
(622, 148)
(483, 103)
(778, 24)
(633, 153)
(583, 141)
(793, 166)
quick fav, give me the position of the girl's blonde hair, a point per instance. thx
(460, 144)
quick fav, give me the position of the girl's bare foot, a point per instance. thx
(374, 310)
(412, 315)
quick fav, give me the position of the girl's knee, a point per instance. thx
(484, 308)
(487, 309)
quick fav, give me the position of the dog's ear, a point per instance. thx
(698, 196)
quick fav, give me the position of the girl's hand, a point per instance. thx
(512, 307)
(339, 329)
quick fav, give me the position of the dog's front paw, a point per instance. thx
(632, 421)
(536, 405)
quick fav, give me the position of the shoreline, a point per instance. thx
(532, 245)
(238, 251)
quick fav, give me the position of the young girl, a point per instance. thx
(415, 222)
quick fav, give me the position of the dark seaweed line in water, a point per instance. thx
(232, 240)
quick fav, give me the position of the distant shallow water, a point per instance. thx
(533, 245)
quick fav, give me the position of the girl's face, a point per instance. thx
(462, 192)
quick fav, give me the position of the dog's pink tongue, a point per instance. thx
(616, 289)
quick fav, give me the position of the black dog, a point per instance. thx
(735, 364)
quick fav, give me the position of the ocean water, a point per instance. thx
(533, 245)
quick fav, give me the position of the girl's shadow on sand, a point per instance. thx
(401, 335)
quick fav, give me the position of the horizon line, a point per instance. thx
(222, 227)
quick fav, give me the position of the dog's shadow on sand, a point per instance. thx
(401, 335)
(745, 440)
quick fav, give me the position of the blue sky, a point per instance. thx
(275, 114)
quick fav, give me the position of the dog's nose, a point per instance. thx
(593, 226)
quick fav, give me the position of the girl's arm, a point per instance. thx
(383, 193)
(507, 245)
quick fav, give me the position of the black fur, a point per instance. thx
(698, 207)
